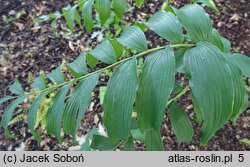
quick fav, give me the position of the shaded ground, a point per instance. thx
(25, 48)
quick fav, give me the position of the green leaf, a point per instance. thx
(81, 3)
(212, 84)
(171, 9)
(242, 61)
(226, 44)
(179, 64)
(57, 76)
(104, 52)
(119, 100)
(139, 3)
(240, 95)
(10, 109)
(78, 18)
(153, 141)
(56, 15)
(210, 4)
(32, 112)
(91, 60)
(167, 26)
(55, 112)
(156, 84)
(181, 124)
(129, 145)
(198, 113)
(215, 39)
(102, 143)
(246, 141)
(117, 47)
(78, 67)
(102, 93)
(16, 88)
(69, 15)
(138, 135)
(39, 83)
(177, 89)
(86, 145)
(104, 10)
(200, 28)
(8, 135)
(133, 38)
(119, 7)
(5, 98)
(78, 103)
(87, 15)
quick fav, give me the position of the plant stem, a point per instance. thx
(113, 65)
(187, 88)
(123, 60)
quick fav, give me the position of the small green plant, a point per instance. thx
(81, 13)
(137, 94)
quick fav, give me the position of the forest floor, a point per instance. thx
(27, 49)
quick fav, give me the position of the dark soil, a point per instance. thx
(26, 48)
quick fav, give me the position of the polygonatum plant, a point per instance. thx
(135, 102)
(81, 13)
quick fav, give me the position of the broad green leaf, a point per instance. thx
(239, 91)
(57, 76)
(10, 109)
(129, 144)
(32, 112)
(16, 88)
(69, 15)
(210, 4)
(55, 112)
(215, 39)
(102, 92)
(117, 47)
(86, 145)
(200, 28)
(153, 141)
(133, 38)
(156, 84)
(211, 82)
(104, 10)
(179, 64)
(167, 26)
(5, 98)
(119, 99)
(139, 3)
(104, 52)
(119, 7)
(39, 83)
(91, 60)
(242, 61)
(78, 103)
(102, 143)
(181, 124)
(78, 67)
(87, 15)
